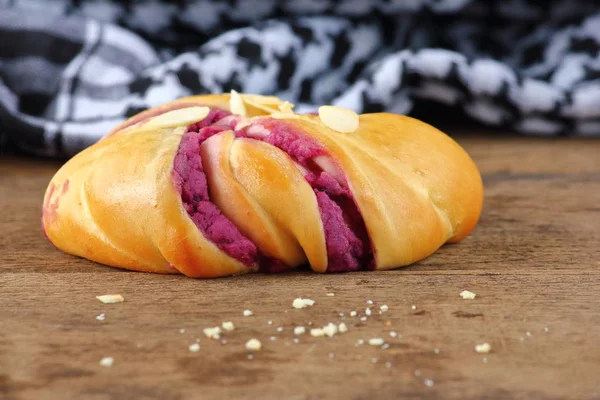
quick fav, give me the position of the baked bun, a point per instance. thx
(218, 185)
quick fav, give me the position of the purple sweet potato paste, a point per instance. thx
(346, 238)
(347, 242)
(190, 181)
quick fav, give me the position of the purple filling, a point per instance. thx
(346, 239)
(190, 181)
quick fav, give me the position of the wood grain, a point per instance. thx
(534, 262)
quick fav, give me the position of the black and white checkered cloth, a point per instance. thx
(71, 70)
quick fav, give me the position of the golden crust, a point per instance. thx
(116, 202)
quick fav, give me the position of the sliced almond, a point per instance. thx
(236, 104)
(179, 117)
(111, 298)
(260, 99)
(338, 118)
(286, 107)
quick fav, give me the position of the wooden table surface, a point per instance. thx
(533, 261)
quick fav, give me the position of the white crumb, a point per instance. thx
(101, 317)
(296, 340)
(228, 326)
(280, 329)
(353, 313)
(374, 360)
(417, 372)
(376, 341)
(253, 345)
(342, 328)
(273, 338)
(299, 303)
(250, 356)
(384, 308)
(341, 314)
(393, 334)
(107, 362)
(194, 347)
(317, 332)
(182, 330)
(369, 302)
(330, 294)
(428, 382)
(299, 330)
(465, 294)
(247, 313)
(270, 322)
(330, 329)
(331, 355)
(436, 351)
(483, 348)
(224, 341)
(546, 329)
(213, 333)
(413, 307)
(368, 311)
(359, 342)
(528, 334)
(363, 318)
(111, 298)
(385, 346)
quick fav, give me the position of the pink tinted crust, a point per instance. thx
(346, 238)
(190, 182)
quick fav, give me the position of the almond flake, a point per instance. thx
(339, 119)
(111, 298)
(465, 294)
(179, 117)
(236, 104)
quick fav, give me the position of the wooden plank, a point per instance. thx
(534, 262)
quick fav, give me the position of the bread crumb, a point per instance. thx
(250, 356)
(465, 294)
(228, 326)
(374, 360)
(546, 329)
(330, 294)
(107, 362)
(280, 329)
(393, 334)
(384, 308)
(101, 317)
(385, 346)
(353, 313)
(376, 341)
(483, 348)
(369, 302)
(413, 307)
(368, 311)
(212, 333)
(363, 318)
(528, 334)
(436, 351)
(253, 345)
(302, 303)
(331, 355)
(270, 322)
(428, 382)
(299, 330)
(359, 342)
(342, 328)
(194, 347)
(247, 313)
(317, 332)
(330, 329)
(417, 372)
(111, 298)
(273, 338)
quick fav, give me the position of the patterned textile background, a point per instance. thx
(70, 70)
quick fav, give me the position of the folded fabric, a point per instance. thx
(70, 70)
